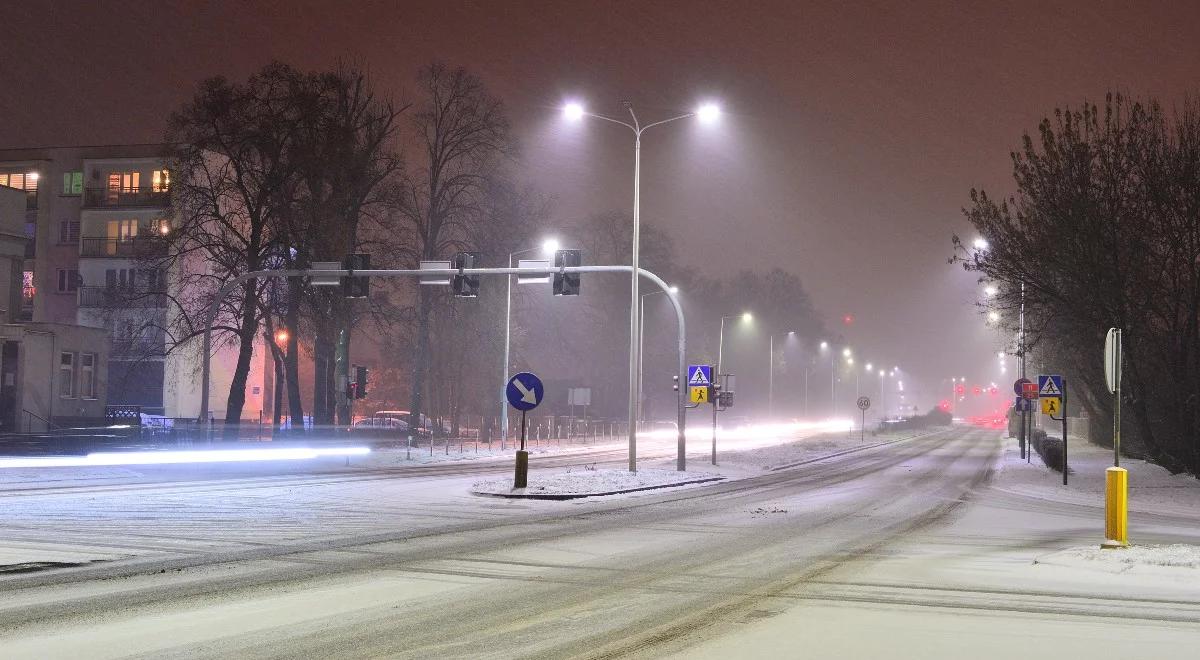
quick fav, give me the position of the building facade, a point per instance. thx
(97, 218)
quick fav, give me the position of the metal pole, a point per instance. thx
(806, 392)
(714, 431)
(721, 345)
(771, 379)
(1064, 421)
(1024, 441)
(1117, 403)
(507, 340)
(641, 362)
(633, 301)
(833, 382)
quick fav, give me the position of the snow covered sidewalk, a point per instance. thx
(1151, 488)
(1133, 559)
(574, 484)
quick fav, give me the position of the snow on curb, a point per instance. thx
(1121, 560)
(591, 483)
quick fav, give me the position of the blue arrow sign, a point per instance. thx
(524, 391)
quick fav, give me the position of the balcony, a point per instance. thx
(137, 247)
(121, 298)
(125, 198)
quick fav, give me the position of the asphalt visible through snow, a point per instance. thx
(897, 551)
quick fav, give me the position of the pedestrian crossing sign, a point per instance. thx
(1050, 386)
(699, 375)
(1051, 405)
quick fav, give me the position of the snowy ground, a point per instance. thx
(586, 482)
(1120, 560)
(1151, 488)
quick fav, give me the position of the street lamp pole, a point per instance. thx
(771, 379)
(576, 111)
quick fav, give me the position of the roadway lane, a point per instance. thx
(413, 568)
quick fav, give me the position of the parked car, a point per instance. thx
(425, 429)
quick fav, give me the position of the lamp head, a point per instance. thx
(573, 110)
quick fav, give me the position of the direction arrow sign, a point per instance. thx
(1050, 386)
(524, 391)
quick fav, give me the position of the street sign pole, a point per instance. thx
(1064, 422)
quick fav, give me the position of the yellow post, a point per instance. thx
(1116, 508)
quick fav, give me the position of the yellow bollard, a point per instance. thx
(1116, 508)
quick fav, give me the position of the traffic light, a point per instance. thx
(465, 286)
(360, 382)
(356, 286)
(567, 284)
(675, 382)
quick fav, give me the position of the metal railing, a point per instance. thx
(116, 197)
(118, 297)
(137, 247)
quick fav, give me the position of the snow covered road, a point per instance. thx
(902, 550)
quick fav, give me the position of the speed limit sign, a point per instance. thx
(864, 402)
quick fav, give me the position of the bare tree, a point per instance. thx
(463, 137)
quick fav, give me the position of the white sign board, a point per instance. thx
(579, 396)
(325, 280)
(1112, 360)
(435, 279)
(533, 279)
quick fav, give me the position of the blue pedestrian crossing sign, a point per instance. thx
(699, 375)
(1050, 386)
(700, 383)
(524, 391)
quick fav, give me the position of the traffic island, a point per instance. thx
(591, 483)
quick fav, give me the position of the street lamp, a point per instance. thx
(746, 318)
(548, 247)
(574, 111)
(641, 345)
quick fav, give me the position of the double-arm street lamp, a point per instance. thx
(548, 247)
(575, 111)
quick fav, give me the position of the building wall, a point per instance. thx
(44, 392)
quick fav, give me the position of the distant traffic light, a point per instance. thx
(356, 286)
(360, 382)
(465, 286)
(567, 284)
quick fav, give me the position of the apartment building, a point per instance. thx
(96, 218)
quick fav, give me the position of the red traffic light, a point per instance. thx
(944, 405)
(976, 390)
(960, 389)
(848, 319)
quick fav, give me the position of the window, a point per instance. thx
(68, 280)
(72, 183)
(122, 230)
(68, 232)
(118, 278)
(66, 375)
(27, 181)
(87, 375)
(123, 182)
(160, 180)
(28, 290)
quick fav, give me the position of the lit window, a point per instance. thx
(28, 290)
(87, 375)
(27, 181)
(66, 375)
(72, 183)
(160, 180)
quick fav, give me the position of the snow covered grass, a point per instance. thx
(1151, 488)
(585, 482)
(1120, 560)
(805, 449)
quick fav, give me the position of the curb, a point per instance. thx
(576, 496)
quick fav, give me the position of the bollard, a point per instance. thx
(522, 476)
(1116, 508)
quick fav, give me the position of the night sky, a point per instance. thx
(852, 131)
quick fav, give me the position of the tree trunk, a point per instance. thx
(241, 373)
(341, 361)
(291, 360)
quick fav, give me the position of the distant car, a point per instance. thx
(427, 427)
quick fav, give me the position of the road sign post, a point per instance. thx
(1022, 407)
(863, 404)
(1052, 390)
(1116, 478)
(524, 392)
